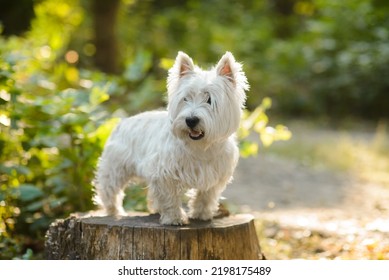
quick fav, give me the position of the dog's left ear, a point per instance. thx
(225, 67)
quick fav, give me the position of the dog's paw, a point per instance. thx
(176, 219)
(203, 214)
(115, 211)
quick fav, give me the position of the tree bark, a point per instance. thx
(144, 238)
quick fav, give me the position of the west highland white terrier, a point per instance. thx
(190, 146)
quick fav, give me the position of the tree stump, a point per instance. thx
(144, 238)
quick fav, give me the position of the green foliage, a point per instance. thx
(51, 136)
(257, 121)
(52, 128)
(337, 64)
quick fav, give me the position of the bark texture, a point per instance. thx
(143, 238)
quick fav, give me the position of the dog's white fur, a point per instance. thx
(160, 147)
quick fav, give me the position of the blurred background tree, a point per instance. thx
(68, 68)
(106, 42)
(16, 16)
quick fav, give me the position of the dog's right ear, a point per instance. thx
(182, 67)
(183, 64)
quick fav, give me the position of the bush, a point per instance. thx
(50, 137)
(52, 128)
(336, 65)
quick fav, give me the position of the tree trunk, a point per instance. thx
(105, 17)
(144, 238)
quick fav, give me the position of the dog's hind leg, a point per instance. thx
(112, 177)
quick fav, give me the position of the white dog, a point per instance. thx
(189, 146)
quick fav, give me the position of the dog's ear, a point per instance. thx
(183, 64)
(227, 67)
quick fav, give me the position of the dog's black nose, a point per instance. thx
(191, 122)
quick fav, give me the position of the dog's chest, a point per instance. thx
(202, 174)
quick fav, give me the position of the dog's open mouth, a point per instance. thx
(196, 135)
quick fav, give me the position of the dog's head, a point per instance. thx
(205, 106)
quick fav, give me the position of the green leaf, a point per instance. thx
(267, 136)
(28, 254)
(33, 207)
(248, 148)
(261, 123)
(98, 95)
(58, 202)
(139, 67)
(104, 130)
(166, 63)
(283, 133)
(266, 103)
(74, 119)
(28, 192)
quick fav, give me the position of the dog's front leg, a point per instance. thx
(166, 200)
(203, 205)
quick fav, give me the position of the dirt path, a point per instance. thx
(296, 194)
(270, 183)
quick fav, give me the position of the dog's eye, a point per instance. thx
(209, 100)
(185, 99)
